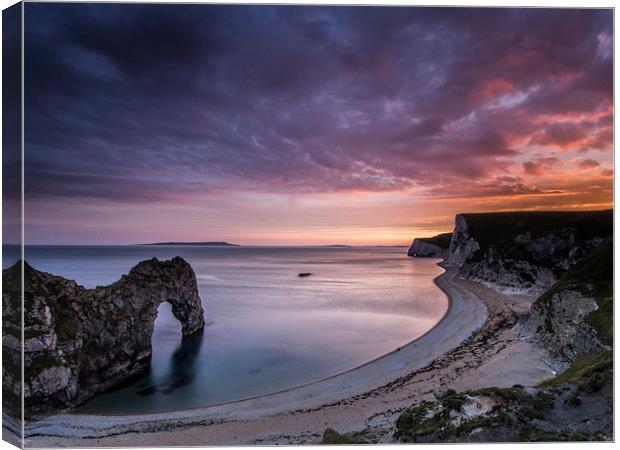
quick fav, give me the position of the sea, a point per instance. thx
(267, 328)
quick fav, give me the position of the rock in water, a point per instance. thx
(79, 341)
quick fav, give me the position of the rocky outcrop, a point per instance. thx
(463, 245)
(576, 408)
(78, 341)
(565, 255)
(525, 251)
(574, 321)
(575, 316)
(436, 246)
(559, 325)
(568, 257)
(554, 253)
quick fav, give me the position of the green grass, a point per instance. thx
(332, 437)
(417, 424)
(592, 276)
(491, 228)
(544, 400)
(584, 370)
(597, 268)
(536, 434)
(514, 393)
(517, 412)
(531, 433)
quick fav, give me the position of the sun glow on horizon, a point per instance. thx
(372, 132)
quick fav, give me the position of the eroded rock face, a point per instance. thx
(509, 274)
(499, 252)
(463, 244)
(79, 341)
(559, 325)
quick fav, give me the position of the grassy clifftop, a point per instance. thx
(441, 240)
(493, 228)
(576, 311)
(575, 405)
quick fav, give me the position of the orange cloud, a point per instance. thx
(589, 164)
(540, 165)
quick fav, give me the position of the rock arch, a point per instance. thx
(83, 341)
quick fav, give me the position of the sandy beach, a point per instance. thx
(471, 347)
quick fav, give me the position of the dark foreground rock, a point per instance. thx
(78, 341)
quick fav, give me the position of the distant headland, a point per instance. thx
(205, 244)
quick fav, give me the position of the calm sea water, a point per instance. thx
(267, 329)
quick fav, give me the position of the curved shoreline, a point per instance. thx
(301, 385)
(464, 315)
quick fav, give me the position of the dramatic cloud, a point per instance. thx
(589, 164)
(147, 104)
(540, 165)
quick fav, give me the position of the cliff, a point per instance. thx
(575, 316)
(528, 251)
(569, 258)
(436, 246)
(574, 321)
(565, 256)
(79, 341)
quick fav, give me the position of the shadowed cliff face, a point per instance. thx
(575, 316)
(525, 251)
(82, 341)
(569, 257)
(437, 246)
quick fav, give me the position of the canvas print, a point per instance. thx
(300, 224)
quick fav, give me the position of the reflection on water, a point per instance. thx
(181, 367)
(267, 329)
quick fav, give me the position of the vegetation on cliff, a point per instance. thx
(499, 230)
(576, 410)
(332, 437)
(592, 277)
(573, 319)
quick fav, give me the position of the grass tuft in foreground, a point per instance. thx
(332, 437)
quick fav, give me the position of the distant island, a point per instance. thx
(202, 244)
(524, 353)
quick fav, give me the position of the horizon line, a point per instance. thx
(189, 244)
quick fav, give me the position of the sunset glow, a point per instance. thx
(288, 125)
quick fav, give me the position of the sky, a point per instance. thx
(278, 125)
